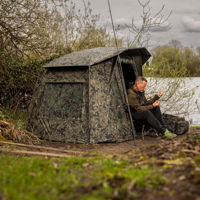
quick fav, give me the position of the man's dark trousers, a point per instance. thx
(153, 117)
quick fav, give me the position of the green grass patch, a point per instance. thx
(72, 178)
(18, 117)
(194, 127)
(197, 160)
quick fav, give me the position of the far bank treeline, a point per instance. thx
(33, 32)
(173, 60)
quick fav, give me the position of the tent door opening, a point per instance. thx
(129, 74)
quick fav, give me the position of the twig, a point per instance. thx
(44, 148)
(198, 107)
(191, 151)
(33, 153)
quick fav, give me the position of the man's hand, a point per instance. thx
(160, 94)
(156, 104)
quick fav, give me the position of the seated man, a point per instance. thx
(148, 110)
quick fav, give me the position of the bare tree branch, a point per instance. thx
(141, 32)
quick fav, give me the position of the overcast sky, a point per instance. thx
(184, 20)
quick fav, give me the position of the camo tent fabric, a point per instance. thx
(80, 98)
(94, 56)
(108, 120)
(58, 111)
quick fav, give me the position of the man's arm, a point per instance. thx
(151, 101)
(134, 104)
(155, 98)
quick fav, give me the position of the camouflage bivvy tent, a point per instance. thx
(81, 98)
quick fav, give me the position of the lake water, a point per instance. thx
(184, 96)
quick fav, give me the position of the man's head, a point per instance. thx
(140, 84)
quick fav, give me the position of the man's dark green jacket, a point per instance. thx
(138, 101)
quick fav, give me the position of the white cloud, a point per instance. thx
(191, 25)
(183, 29)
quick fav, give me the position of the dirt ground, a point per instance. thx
(178, 160)
(154, 146)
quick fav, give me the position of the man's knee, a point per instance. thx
(147, 113)
(157, 109)
(142, 114)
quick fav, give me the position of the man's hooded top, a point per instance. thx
(138, 101)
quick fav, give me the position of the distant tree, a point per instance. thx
(192, 61)
(23, 37)
(168, 61)
(21, 22)
(174, 60)
(95, 37)
(167, 72)
(33, 32)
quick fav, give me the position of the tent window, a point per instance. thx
(62, 100)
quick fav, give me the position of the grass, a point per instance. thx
(95, 177)
(18, 117)
(73, 178)
(195, 127)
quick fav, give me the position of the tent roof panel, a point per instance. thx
(96, 55)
